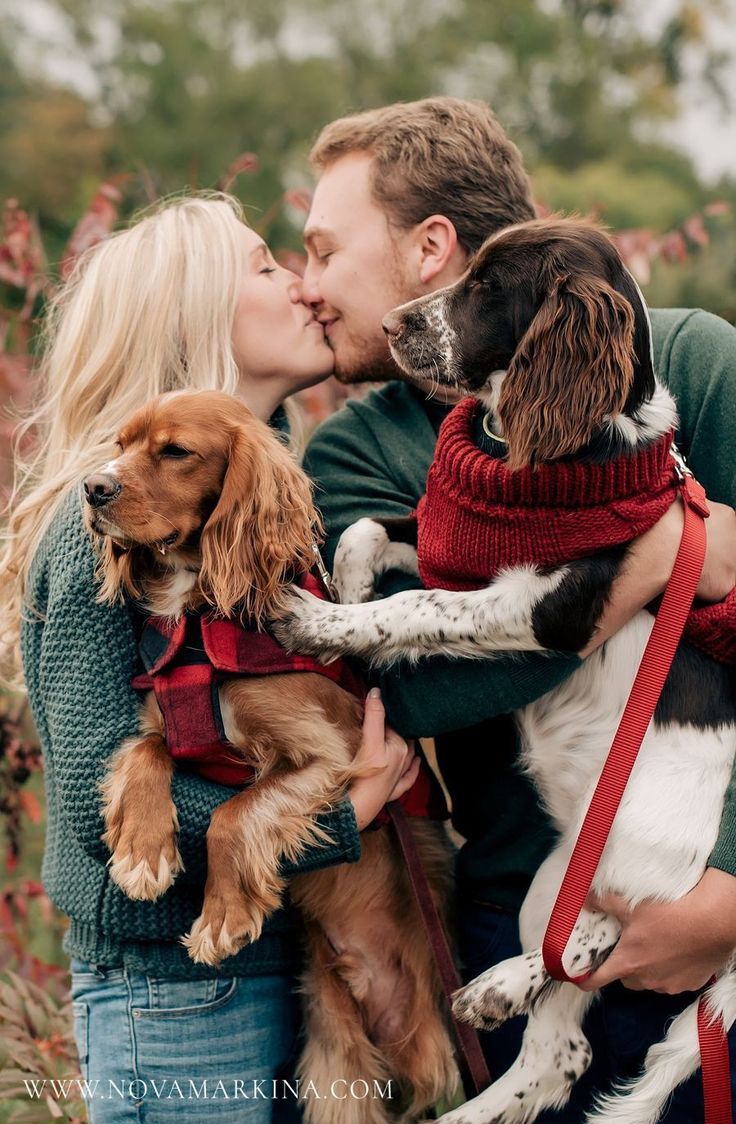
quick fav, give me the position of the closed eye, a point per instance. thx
(174, 451)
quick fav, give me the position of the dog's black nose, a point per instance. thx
(396, 323)
(101, 488)
(393, 324)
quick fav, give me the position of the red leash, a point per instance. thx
(648, 684)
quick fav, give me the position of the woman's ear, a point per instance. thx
(263, 527)
(573, 368)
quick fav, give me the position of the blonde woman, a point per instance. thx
(188, 297)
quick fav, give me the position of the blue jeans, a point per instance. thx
(158, 1050)
(621, 1026)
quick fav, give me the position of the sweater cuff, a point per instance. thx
(723, 855)
(340, 824)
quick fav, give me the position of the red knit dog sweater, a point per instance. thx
(478, 518)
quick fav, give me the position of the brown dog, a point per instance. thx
(204, 508)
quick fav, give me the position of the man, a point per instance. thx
(405, 194)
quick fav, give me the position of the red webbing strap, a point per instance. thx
(715, 1067)
(648, 684)
(640, 707)
(473, 1068)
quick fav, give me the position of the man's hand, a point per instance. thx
(649, 563)
(719, 572)
(671, 946)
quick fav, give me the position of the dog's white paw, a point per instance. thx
(309, 625)
(506, 990)
(357, 561)
(222, 929)
(137, 878)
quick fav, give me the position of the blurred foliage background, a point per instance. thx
(147, 97)
(173, 90)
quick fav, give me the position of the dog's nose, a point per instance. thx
(101, 488)
(393, 324)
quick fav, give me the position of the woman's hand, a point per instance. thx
(648, 566)
(388, 764)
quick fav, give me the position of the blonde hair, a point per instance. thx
(440, 155)
(149, 309)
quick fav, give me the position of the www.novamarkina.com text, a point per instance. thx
(192, 1089)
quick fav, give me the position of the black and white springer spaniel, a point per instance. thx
(550, 335)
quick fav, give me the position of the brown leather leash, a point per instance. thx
(650, 678)
(472, 1064)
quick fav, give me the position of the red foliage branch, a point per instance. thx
(95, 224)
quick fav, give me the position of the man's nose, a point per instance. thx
(310, 286)
(100, 488)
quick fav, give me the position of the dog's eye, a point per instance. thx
(174, 451)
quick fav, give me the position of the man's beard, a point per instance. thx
(368, 359)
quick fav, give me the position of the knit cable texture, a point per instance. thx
(477, 517)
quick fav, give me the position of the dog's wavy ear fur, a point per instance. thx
(116, 571)
(263, 526)
(573, 367)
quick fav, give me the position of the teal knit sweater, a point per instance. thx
(78, 659)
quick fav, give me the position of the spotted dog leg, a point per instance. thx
(554, 1055)
(555, 1052)
(513, 987)
(363, 552)
(421, 622)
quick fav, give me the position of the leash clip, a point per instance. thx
(324, 574)
(693, 492)
(681, 466)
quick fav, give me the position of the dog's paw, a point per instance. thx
(145, 857)
(357, 561)
(142, 879)
(222, 929)
(483, 1008)
(506, 990)
(304, 624)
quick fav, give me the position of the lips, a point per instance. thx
(313, 322)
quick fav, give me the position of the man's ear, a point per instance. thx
(439, 248)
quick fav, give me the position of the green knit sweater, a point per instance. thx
(371, 458)
(78, 659)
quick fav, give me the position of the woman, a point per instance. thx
(188, 298)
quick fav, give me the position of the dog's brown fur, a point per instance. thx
(238, 522)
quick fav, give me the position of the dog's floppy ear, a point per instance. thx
(117, 571)
(572, 368)
(263, 526)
